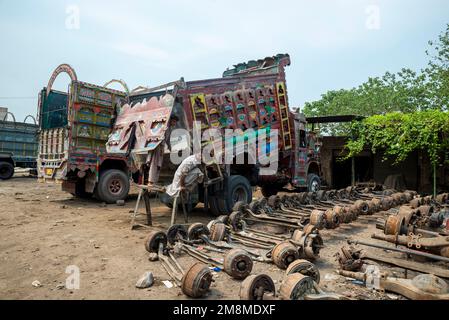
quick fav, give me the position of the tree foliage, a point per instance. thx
(406, 111)
(399, 134)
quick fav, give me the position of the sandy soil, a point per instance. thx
(44, 230)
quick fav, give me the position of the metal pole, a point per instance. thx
(408, 251)
(434, 180)
(353, 171)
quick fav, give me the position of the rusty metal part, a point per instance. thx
(238, 264)
(351, 215)
(331, 194)
(422, 287)
(407, 213)
(415, 203)
(346, 215)
(409, 195)
(321, 195)
(223, 218)
(219, 246)
(317, 218)
(295, 286)
(275, 219)
(309, 242)
(194, 252)
(304, 267)
(311, 246)
(277, 238)
(297, 235)
(309, 229)
(218, 231)
(154, 239)
(255, 207)
(407, 251)
(406, 264)
(386, 203)
(425, 210)
(399, 198)
(168, 261)
(374, 205)
(175, 233)
(171, 265)
(394, 225)
(256, 287)
(349, 259)
(427, 200)
(274, 201)
(442, 198)
(256, 238)
(248, 243)
(197, 230)
(415, 241)
(362, 207)
(436, 219)
(283, 254)
(332, 219)
(196, 281)
(235, 220)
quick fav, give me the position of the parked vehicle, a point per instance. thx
(73, 130)
(252, 95)
(18, 145)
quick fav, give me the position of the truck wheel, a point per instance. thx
(238, 189)
(313, 183)
(113, 186)
(6, 170)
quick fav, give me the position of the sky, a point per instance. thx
(333, 44)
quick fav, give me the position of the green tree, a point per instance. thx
(399, 134)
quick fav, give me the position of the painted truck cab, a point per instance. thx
(73, 129)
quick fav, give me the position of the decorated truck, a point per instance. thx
(95, 149)
(18, 144)
(73, 129)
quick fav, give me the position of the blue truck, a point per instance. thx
(18, 144)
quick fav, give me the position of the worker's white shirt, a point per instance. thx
(186, 167)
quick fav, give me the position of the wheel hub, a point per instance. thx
(115, 186)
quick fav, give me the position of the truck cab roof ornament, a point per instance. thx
(66, 68)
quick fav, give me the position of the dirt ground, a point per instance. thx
(44, 230)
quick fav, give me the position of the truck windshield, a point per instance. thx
(54, 110)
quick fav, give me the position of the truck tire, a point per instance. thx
(112, 186)
(238, 189)
(6, 170)
(313, 182)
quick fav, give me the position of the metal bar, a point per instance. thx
(144, 90)
(407, 251)
(146, 198)
(410, 265)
